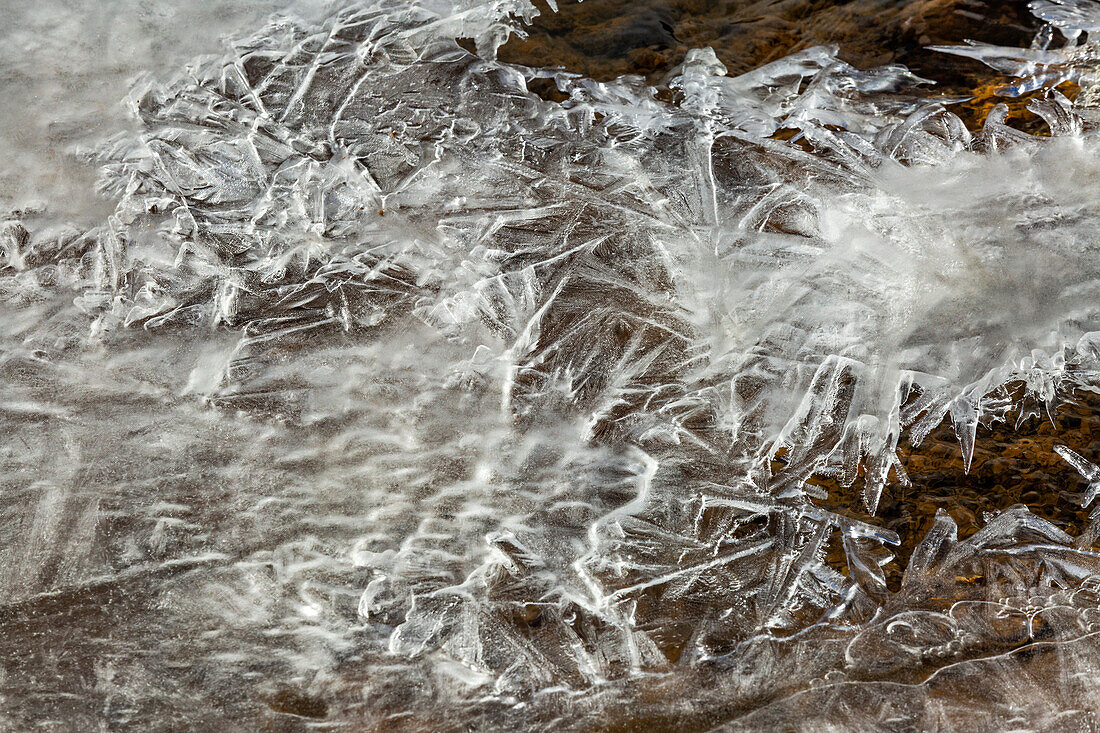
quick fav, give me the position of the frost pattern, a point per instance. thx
(545, 383)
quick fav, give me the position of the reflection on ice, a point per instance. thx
(391, 390)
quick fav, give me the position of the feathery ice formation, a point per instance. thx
(395, 393)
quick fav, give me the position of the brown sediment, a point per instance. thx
(291, 702)
(603, 39)
(985, 97)
(606, 38)
(1011, 465)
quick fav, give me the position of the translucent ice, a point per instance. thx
(395, 389)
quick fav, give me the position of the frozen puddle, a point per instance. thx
(386, 393)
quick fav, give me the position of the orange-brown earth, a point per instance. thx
(1011, 465)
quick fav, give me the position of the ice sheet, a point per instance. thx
(390, 392)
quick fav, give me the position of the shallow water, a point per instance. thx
(385, 384)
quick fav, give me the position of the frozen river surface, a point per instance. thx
(353, 378)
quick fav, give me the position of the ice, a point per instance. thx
(1051, 60)
(390, 391)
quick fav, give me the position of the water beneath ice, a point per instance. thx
(349, 382)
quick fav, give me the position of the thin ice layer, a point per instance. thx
(599, 321)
